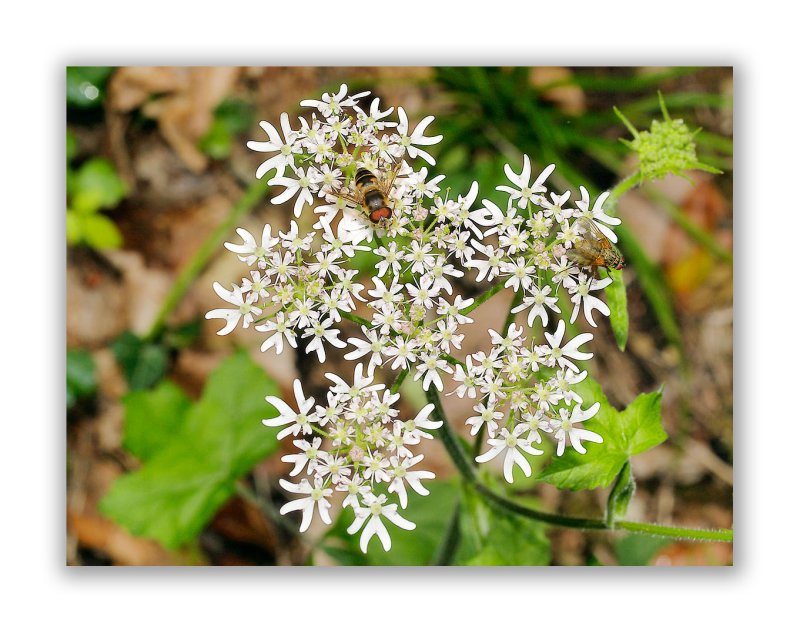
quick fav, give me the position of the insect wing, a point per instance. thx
(390, 176)
(590, 231)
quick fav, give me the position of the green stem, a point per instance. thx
(451, 540)
(678, 215)
(356, 319)
(623, 186)
(453, 360)
(207, 249)
(399, 381)
(266, 507)
(504, 504)
(452, 444)
(725, 536)
(450, 439)
(621, 493)
(483, 298)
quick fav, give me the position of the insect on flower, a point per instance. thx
(594, 250)
(372, 194)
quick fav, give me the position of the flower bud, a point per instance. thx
(356, 454)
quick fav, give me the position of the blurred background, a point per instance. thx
(158, 176)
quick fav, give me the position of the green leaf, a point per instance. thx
(74, 227)
(578, 473)
(153, 418)
(630, 432)
(493, 539)
(639, 549)
(231, 117)
(100, 232)
(174, 495)
(217, 141)
(183, 335)
(640, 428)
(143, 363)
(365, 261)
(86, 85)
(617, 298)
(620, 495)
(80, 376)
(96, 185)
(415, 547)
(236, 115)
(513, 542)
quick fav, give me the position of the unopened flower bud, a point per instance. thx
(417, 313)
(356, 454)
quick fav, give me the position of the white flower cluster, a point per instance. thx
(530, 388)
(303, 290)
(542, 245)
(539, 243)
(352, 166)
(327, 150)
(355, 445)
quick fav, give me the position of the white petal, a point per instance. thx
(369, 530)
(400, 521)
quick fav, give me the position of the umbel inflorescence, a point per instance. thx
(365, 177)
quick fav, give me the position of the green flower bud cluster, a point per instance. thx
(668, 148)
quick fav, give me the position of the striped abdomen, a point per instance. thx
(375, 202)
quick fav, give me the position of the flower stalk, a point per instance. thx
(459, 458)
(207, 249)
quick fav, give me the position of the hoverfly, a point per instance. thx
(594, 250)
(372, 194)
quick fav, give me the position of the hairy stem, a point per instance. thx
(725, 536)
(452, 444)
